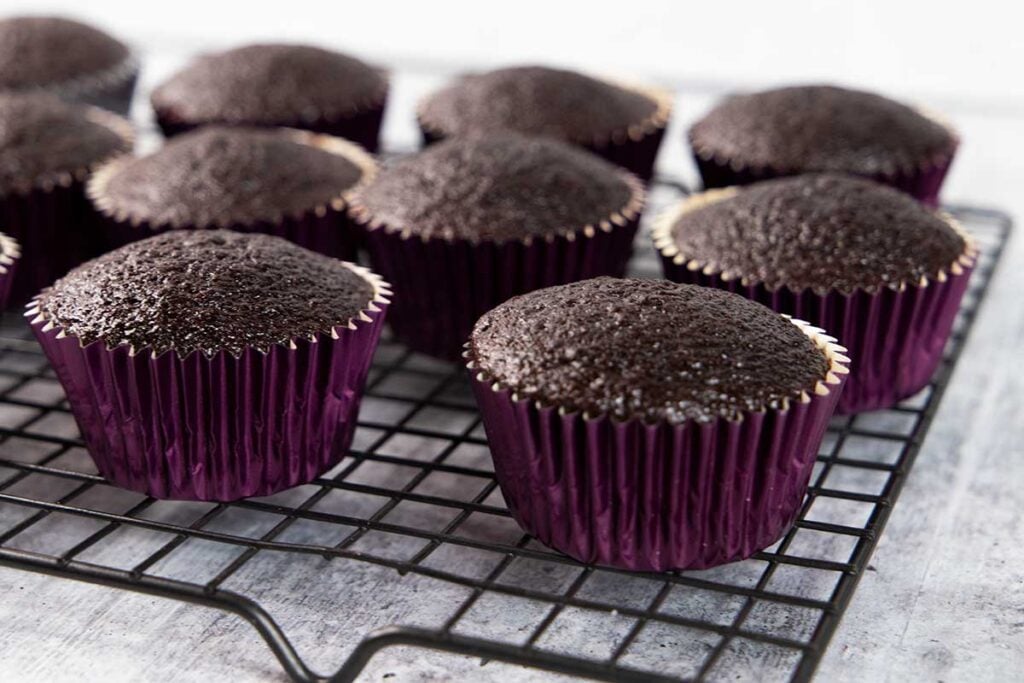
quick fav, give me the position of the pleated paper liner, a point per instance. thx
(10, 253)
(218, 427)
(896, 336)
(661, 496)
(634, 148)
(325, 228)
(923, 182)
(111, 89)
(444, 284)
(54, 222)
(360, 124)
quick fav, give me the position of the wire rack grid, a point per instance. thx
(417, 502)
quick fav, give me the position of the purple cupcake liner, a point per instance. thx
(656, 497)
(217, 427)
(635, 149)
(923, 184)
(895, 337)
(326, 228)
(444, 285)
(10, 252)
(54, 223)
(361, 126)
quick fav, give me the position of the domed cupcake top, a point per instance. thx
(821, 128)
(44, 140)
(647, 349)
(220, 176)
(270, 83)
(498, 187)
(43, 51)
(206, 290)
(819, 232)
(539, 101)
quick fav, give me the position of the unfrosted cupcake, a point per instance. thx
(212, 365)
(867, 263)
(298, 86)
(649, 425)
(66, 58)
(468, 222)
(10, 252)
(48, 147)
(622, 123)
(821, 128)
(289, 183)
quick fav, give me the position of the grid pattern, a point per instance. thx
(417, 495)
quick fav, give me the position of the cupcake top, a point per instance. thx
(267, 84)
(646, 349)
(821, 128)
(819, 232)
(10, 251)
(498, 187)
(44, 140)
(220, 176)
(209, 291)
(538, 100)
(43, 51)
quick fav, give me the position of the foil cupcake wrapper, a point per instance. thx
(923, 184)
(56, 230)
(653, 497)
(361, 126)
(218, 427)
(443, 286)
(10, 253)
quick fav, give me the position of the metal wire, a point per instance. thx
(863, 466)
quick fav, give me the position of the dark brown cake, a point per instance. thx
(819, 232)
(497, 187)
(44, 51)
(220, 176)
(648, 349)
(269, 84)
(820, 128)
(45, 140)
(207, 290)
(537, 101)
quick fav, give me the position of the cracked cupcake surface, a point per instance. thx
(206, 291)
(818, 232)
(646, 349)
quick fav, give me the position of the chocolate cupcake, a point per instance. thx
(276, 85)
(469, 222)
(821, 128)
(289, 183)
(649, 425)
(47, 149)
(867, 263)
(212, 365)
(10, 252)
(66, 58)
(622, 123)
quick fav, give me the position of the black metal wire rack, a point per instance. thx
(417, 496)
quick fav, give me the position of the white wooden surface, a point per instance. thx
(945, 600)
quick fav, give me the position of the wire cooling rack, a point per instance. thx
(411, 531)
